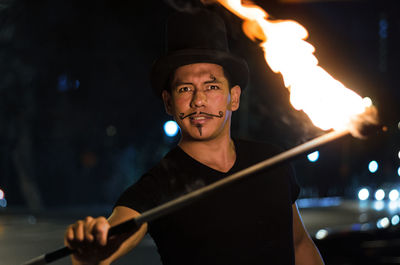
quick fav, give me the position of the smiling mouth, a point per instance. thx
(198, 118)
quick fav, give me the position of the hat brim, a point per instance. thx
(166, 65)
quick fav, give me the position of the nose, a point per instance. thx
(199, 99)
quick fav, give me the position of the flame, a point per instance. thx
(326, 101)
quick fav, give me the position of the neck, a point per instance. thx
(218, 153)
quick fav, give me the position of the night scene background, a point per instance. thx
(79, 122)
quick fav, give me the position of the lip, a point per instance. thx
(199, 119)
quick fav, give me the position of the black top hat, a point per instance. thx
(197, 37)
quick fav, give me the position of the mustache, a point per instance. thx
(219, 115)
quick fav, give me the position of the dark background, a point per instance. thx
(79, 122)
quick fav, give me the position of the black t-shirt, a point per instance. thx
(246, 222)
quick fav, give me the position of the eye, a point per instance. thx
(184, 89)
(213, 87)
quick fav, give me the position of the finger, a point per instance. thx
(69, 236)
(79, 231)
(88, 228)
(100, 230)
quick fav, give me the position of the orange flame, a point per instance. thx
(327, 102)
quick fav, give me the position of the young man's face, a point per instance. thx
(201, 101)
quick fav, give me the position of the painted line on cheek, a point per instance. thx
(220, 114)
(182, 115)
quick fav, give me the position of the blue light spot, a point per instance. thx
(373, 166)
(319, 202)
(62, 83)
(65, 83)
(313, 157)
(395, 220)
(171, 128)
(383, 27)
(3, 203)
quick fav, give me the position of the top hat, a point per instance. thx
(196, 37)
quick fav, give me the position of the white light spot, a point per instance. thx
(1, 194)
(313, 157)
(379, 195)
(398, 171)
(379, 205)
(321, 234)
(367, 102)
(171, 128)
(383, 223)
(363, 194)
(393, 206)
(395, 220)
(398, 154)
(373, 166)
(393, 195)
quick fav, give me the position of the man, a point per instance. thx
(255, 221)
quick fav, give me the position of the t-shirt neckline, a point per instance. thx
(198, 163)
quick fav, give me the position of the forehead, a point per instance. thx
(198, 70)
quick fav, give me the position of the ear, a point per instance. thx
(166, 96)
(235, 97)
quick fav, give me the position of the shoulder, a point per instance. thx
(146, 192)
(170, 162)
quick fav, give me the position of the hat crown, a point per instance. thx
(200, 29)
(196, 37)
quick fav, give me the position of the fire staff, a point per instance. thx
(200, 83)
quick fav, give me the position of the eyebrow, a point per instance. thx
(179, 83)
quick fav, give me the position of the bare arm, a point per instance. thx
(306, 252)
(89, 238)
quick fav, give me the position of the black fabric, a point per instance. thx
(199, 36)
(247, 222)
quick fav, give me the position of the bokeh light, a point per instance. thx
(393, 195)
(363, 194)
(379, 194)
(313, 157)
(395, 220)
(321, 234)
(373, 166)
(379, 205)
(383, 223)
(171, 128)
(3, 203)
